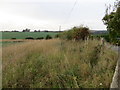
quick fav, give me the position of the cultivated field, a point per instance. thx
(23, 35)
(58, 64)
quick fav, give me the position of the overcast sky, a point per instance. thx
(50, 14)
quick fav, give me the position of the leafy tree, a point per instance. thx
(112, 20)
(26, 30)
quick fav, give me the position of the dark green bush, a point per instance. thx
(117, 42)
(13, 38)
(39, 38)
(57, 36)
(48, 37)
(29, 38)
(105, 36)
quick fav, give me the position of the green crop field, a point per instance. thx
(23, 35)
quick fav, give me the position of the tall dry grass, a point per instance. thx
(58, 64)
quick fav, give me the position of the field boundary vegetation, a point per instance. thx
(58, 64)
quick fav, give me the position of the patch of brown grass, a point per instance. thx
(58, 64)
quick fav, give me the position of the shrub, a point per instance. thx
(39, 38)
(29, 38)
(13, 38)
(105, 36)
(77, 33)
(117, 42)
(48, 37)
(57, 36)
